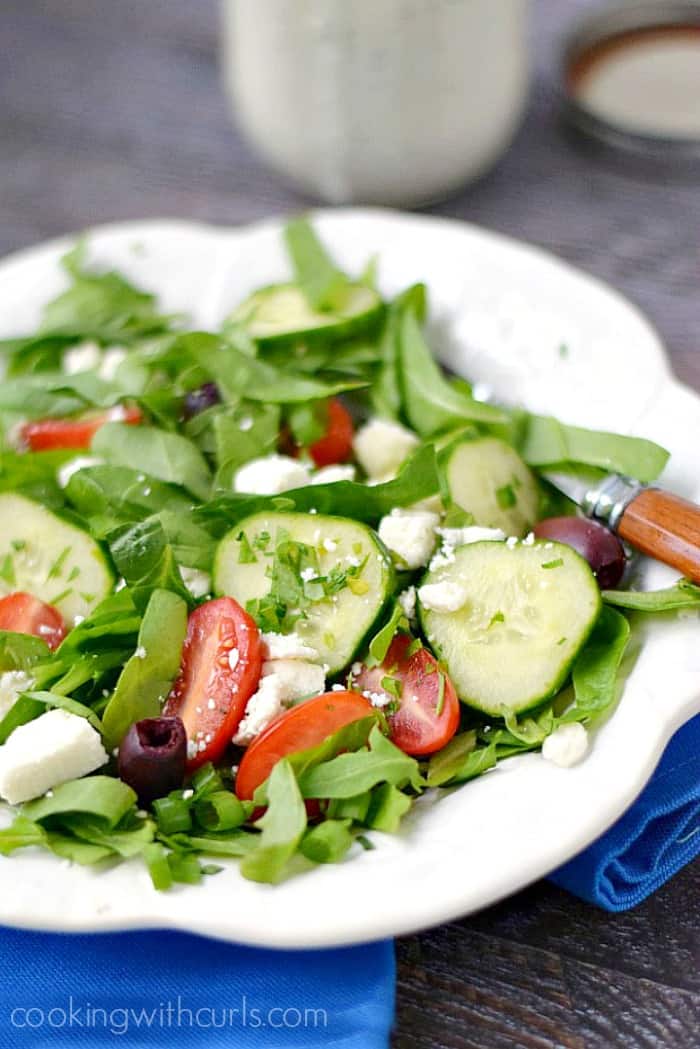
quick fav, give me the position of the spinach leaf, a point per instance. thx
(417, 479)
(549, 442)
(446, 764)
(55, 700)
(124, 841)
(683, 594)
(21, 833)
(167, 456)
(323, 284)
(103, 796)
(596, 668)
(282, 826)
(379, 645)
(146, 679)
(430, 403)
(146, 559)
(458, 768)
(21, 651)
(111, 495)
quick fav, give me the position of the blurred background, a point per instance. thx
(116, 110)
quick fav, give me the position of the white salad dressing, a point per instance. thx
(391, 102)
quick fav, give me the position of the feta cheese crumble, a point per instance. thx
(566, 746)
(382, 446)
(331, 474)
(81, 358)
(261, 708)
(111, 360)
(442, 597)
(296, 678)
(197, 581)
(65, 472)
(55, 747)
(287, 646)
(12, 683)
(410, 534)
(271, 475)
(407, 600)
(470, 534)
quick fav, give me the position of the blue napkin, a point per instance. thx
(171, 989)
(657, 836)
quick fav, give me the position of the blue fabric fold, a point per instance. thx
(170, 988)
(658, 834)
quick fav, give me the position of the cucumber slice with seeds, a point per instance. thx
(44, 555)
(488, 479)
(335, 625)
(281, 313)
(527, 611)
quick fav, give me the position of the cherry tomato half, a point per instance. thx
(44, 435)
(220, 669)
(25, 614)
(336, 444)
(305, 725)
(428, 713)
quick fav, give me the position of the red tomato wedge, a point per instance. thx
(336, 444)
(44, 435)
(25, 614)
(428, 713)
(304, 726)
(220, 669)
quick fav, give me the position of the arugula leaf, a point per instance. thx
(387, 808)
(549, 442)
(327, 842)
(146, 679)
(682, 594)
(354, 773)
(430, 403)
(385, 393)
(417, 479)
(347, 739)
(379, 645)
(72, 706)
(125, 841)
(103, 796)
(447, 763)
(167, 456)
(322, 283)
(472, 764)
(282, 826)
(596, 668)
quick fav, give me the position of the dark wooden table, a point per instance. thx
(114, 111)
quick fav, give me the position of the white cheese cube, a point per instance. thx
(12, 683)
(442, 597)
(470, 534)
(567, 745)
(197, 581)
(296, 678)
(382, 446)
(56, 747)
(81, 358)
(261, 708)
(111, 360)
(271, 475)
(287, 646)
(410, 534)
(65, 472)
(331, 474)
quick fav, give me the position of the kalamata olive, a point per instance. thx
(152, 757)
(593, 541)
(205, 396)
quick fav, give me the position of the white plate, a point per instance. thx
(501, 311)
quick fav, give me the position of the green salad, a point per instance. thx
(262, 587)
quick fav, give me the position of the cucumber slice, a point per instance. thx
(335, 626)
(528, 609)
(489, 480)
(50, 558)
(281, 312)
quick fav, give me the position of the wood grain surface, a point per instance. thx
(113, 111)
(666, 527)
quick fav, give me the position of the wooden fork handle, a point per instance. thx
(665, 527)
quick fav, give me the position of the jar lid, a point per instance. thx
(632, 78)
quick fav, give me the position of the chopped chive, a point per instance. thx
(156, 859)
(172, 814)
(57, 566)
(18, 544)
(391, 685)
(64, 594)
(245, 554)
(7, 570)
(74, 573)
(497, 617)
(364, 841)
(506, 497)
(329, 640)
(553, 564)
(441, 695)
(561, 641)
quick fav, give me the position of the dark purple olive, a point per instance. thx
(594, 542)
(152, 757)
(205, 396)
